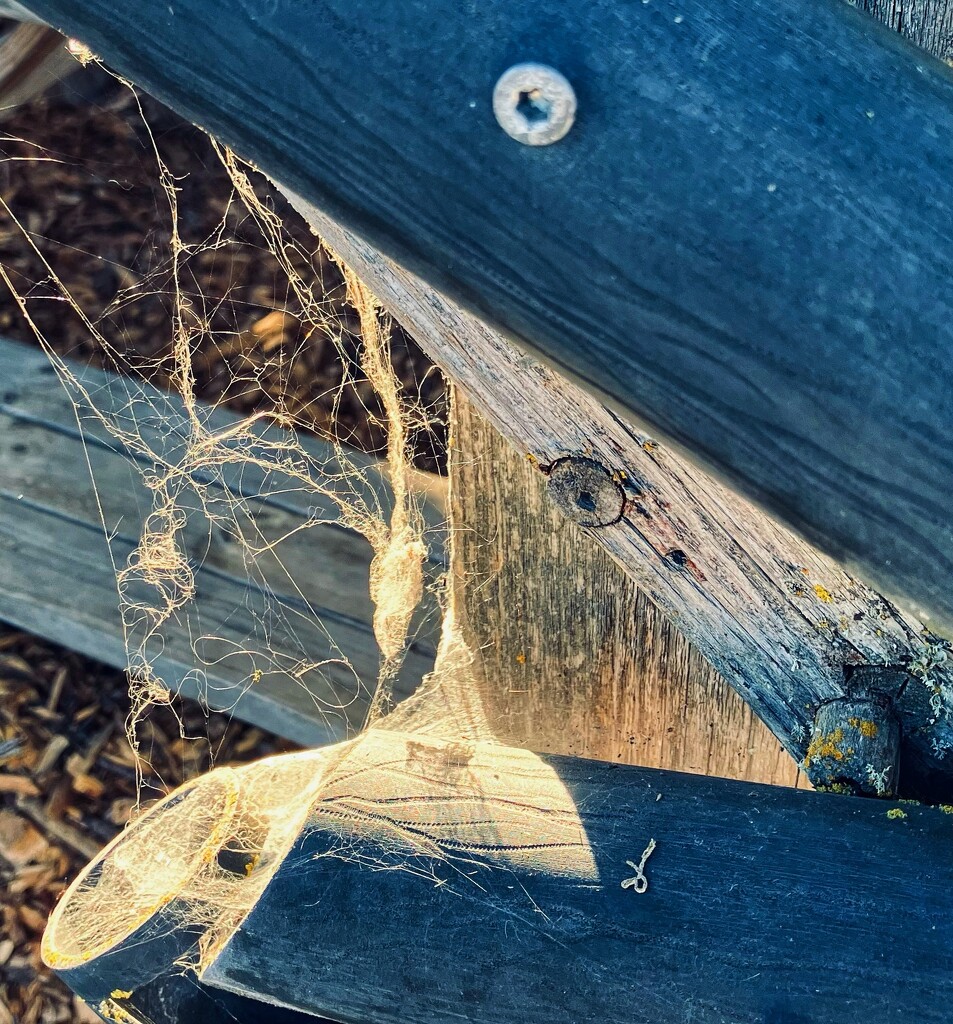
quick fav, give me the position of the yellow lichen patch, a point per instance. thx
(836, 787)
(521, 658)
(864, 726)
(896, 813)
(118, 993)
(825, 746)
(110, 1010)
(946, 808)
(823, 593)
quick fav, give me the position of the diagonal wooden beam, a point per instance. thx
(783, 623)
(744, 241)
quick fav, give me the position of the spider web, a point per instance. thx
(420, 786)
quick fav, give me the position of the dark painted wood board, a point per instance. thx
(307, 602)
(744, 242)
(495, 905)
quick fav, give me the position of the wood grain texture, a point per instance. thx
(16, 11)
(780, 621)
(575, 658)
(744, 242)
(435, 883)
(928, 23)
(304, 602)
(32, 58)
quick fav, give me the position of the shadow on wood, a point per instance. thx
(428, 881)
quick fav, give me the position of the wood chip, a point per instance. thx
(56, 689)
(51, 754)
(120, 810)
(20, 842)
(10, 749)
(82, 1014)
(36, 876)
(88, 786)
(18, 784)
(32, 918)
(59, 830)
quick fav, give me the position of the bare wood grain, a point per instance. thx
(928, 23)
(575, 659)
(32, 58)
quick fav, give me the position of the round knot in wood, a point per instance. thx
(584, 491)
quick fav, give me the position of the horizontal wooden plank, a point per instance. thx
(784, 624)
(743, 242)
(436, 881)
(299, 613)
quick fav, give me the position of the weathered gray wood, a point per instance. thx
(575, 659)
(302, 603)
(779, 620)
(928, 23)
(12, 9)
(32, 58)
(744, 241)
(436, 882)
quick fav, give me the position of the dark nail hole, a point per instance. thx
(236, 861)
(586, 501)
(678, 557)
(533, 106)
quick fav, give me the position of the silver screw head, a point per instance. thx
(534, 104)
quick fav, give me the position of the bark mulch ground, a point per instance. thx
(78, 171)
(68, 785)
